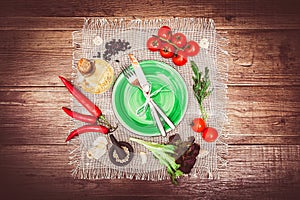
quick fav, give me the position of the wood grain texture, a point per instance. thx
(50, 52)
(245, 14)
(263, 99)
(253, 171)
(227, 22)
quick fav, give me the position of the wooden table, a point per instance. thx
(263, 99)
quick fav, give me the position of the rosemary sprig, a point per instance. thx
(201, 87)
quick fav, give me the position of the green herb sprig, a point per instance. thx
(164, 153)
(201, 87)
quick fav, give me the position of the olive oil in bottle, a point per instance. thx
(97, 75)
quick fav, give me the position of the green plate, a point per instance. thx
(127, 99)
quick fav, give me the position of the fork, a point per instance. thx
(132, 79)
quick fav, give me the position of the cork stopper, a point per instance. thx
(85, 67)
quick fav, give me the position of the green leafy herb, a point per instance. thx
(201, 87)
(164, 153)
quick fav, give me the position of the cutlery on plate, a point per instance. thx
(147, 88)
(132, 79)
(138, 79)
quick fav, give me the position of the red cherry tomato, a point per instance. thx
(180, 58)
(198, 125)
(210, 134)
(179, 40)
(165, 33)
(167, 50)
(154, 44)
(192, 48)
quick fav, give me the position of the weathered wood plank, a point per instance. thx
(233, 14)
(253, 171)
(35, 57)
(31, 54)
(263, 112)
(268, 57)
(227, 22)
(34, 117)
(257, 115)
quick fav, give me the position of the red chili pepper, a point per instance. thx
(87, 128)
(81, 117)
(92, 108)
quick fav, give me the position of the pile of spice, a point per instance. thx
(115, 46)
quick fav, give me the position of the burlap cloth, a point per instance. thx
(136, 32)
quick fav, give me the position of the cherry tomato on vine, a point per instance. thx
(167, 50)
(154, 44)
(165, 33)
(210, 134)
(198, 125)
(179, 40)
(180, 58)
(192, 48)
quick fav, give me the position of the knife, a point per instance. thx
(140, 74)
(146, 89)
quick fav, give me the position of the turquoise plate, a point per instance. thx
(173, 98)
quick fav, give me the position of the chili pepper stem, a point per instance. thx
(103, 120)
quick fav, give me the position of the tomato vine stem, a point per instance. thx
(167, 41)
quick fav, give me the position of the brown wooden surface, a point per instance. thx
(263, 99)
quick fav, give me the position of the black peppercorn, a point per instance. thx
(114, 46)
